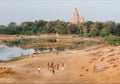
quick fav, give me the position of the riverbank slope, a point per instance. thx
(98, 64)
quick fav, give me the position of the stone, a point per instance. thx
(76, 18)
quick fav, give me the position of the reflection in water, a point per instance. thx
(7, 53)
(54, 50)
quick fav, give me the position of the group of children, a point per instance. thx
(52, 68)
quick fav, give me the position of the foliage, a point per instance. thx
(93, 33)
(90, 29)
(80, 42)
(104, 32)
(51, 40)
(113, 40)
(22, 41)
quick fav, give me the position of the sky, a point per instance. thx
(30, 10)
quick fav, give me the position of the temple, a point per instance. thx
(76, 18)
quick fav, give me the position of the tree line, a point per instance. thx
(90, 29)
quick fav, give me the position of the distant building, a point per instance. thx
(76, 18)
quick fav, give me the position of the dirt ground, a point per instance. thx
(98, 64)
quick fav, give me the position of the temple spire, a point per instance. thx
(76, 18)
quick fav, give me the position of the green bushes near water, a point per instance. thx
(21, 41)
(28, 41)
(113, 40)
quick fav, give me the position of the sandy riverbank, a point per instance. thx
(79, 67)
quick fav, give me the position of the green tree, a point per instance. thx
(110, 25)
(94, 32)
(87, 25)
(80, 28)
(104, 32)
(12, 24)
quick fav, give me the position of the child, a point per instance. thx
(53, 70)
(57, 66)
(39, 69)
(62, 65)
(48, 66)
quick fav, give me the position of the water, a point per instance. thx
(7, 53)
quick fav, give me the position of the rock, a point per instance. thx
(114, 65)
(97, 69)
(5, 70)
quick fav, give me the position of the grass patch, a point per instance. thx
(113, 40)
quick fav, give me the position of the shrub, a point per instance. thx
(93, 33)
(104, 32)
(113, 40)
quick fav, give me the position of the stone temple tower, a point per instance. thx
(76, 18)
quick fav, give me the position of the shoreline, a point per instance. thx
(78, 67)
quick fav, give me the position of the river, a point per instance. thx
(7, 52)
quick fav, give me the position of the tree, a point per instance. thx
(74, 30)
(104, 32)
(40, 26)
(98, 25)
(117, 30)
(12, 24)
(87, 25)
(110, 25)
(48, 27)
(68, 27)
(60, 27)
(94, 32)
(80, 28)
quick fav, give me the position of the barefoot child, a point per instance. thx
(39, 69)
(53, 69)
(48, 66)
(62, 65)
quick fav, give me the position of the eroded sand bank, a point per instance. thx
(99, 64)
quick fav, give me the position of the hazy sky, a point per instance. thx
(30, 10)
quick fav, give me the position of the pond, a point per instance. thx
(7, 53)
(10, 52)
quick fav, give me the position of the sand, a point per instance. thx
(79, 67)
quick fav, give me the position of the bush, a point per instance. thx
(81, 35)
(80, 42)
(52, 40)
(113, 40)
(104, 32)
(93, 33)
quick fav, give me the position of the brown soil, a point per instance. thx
(99, 64)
